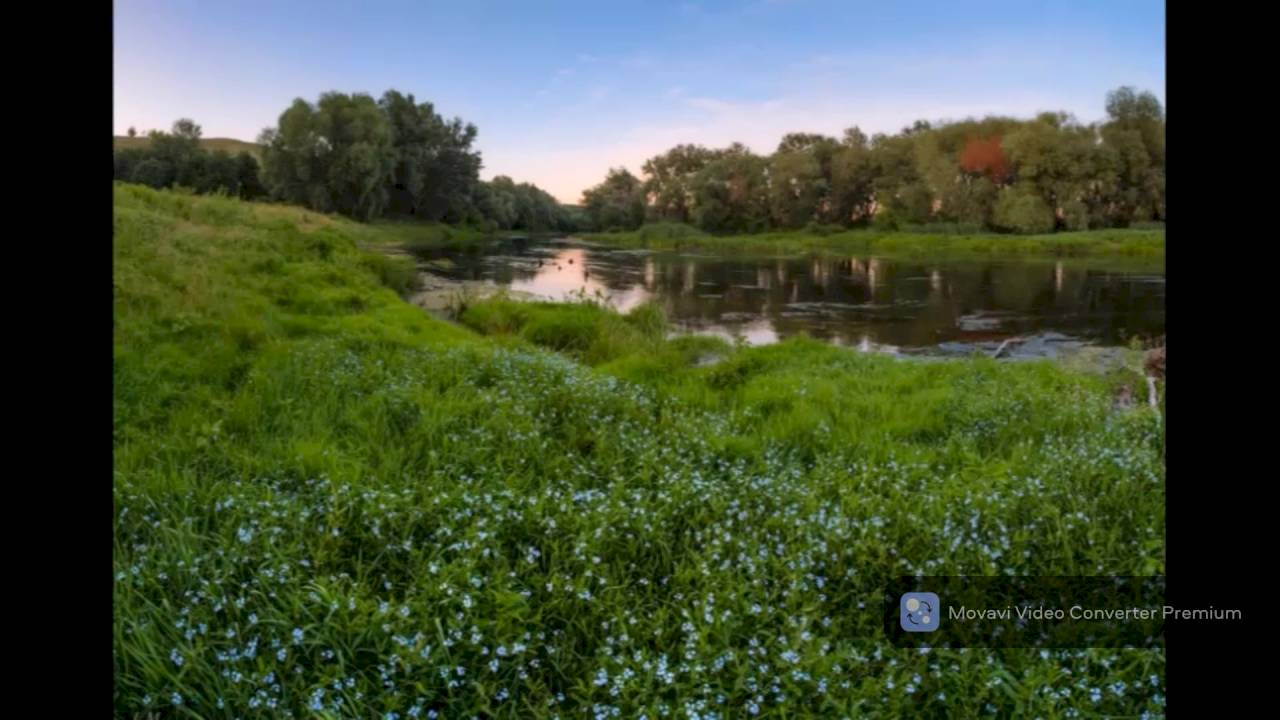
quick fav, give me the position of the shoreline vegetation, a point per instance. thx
(1136, 243)
(328, 502)
(395, 158)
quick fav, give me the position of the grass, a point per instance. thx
(229, 145)
(327, 503)
(417, 236)
(1140, 243)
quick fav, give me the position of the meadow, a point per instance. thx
(327, 503)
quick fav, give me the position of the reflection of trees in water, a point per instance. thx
(897, 303)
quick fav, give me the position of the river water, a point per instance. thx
(855, 300)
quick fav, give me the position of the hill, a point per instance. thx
(230, 145)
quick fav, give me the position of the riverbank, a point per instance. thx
(1143, 244)
(324, 497)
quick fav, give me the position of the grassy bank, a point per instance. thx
(327, 503)
(1093, 243)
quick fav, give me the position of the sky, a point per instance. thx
(562, 91)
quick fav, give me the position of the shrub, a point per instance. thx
(153, 172)
(668, 231)
(1075, 215)
(1023, 211)
(885, 221)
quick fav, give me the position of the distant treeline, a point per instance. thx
(361, 157)
(395, 157)
(998, 173)
(176, 158)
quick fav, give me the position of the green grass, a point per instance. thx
(323, 497)
(1147, 243)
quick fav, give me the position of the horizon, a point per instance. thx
(560, 95)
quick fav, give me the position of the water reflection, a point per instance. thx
(857, 301)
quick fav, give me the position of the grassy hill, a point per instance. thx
(327, 503)
(230, 145)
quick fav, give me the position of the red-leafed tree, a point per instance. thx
(985, 157)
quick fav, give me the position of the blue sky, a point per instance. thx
(561, 91)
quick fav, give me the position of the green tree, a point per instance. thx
(125, 162)
(1134, 139)
(180, 151)
(731, 193)
(153, 172)
(796, 188)
(248, 176)
(900, 189)
(436, 172)
(618, 202)
(670, 178)
(853, 175)
(1021, 209)
(334, 156)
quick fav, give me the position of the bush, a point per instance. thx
(1075, 215)
(668, 231)
(1023, 211)
(885, 221)
(154, 173)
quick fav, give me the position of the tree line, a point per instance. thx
(176, 158)
(396, 157)
(364, 158)
(998, 173)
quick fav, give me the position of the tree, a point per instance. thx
(180, 151)
(126, 160)
(334, 156)
(1134, 138)
(731, 193)
(221, 174)
(618, 202)
(899, 186)
(985, 156)
(436, 172)
(153, 172)
(853, 175)
(670, 177)
(248, 177)
(800, 142)
(796, 188)
(133, 132)
(1022, 209)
